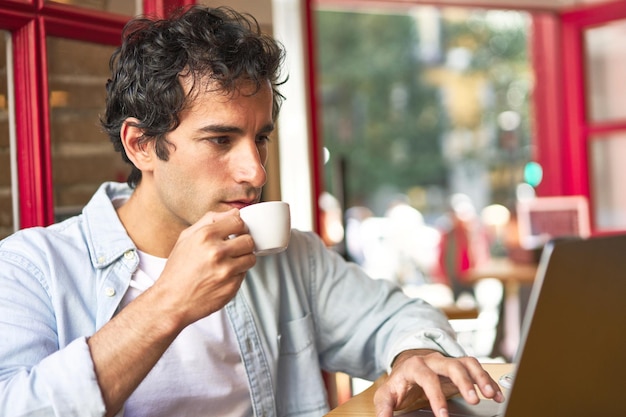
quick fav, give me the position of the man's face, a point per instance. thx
(217, 155)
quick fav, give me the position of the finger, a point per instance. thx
(488, 387)
(434, 369)
(384, 402)
(419, 370)
(208, 219)
(241, 245)
(214, 217)
(467, 373)
(431, 385)
(232, 224)
(225, 226)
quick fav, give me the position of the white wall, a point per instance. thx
(294, 123)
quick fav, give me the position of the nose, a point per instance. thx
(250, 164)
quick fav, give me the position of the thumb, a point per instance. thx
(384, 402)
(209, 218)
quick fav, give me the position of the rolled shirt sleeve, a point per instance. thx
(62, 384)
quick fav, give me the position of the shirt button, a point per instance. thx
(109, 291)
(129, 254)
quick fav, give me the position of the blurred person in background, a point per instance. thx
(463, 245)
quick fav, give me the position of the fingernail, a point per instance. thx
(499, 398)
(489, 391)
(443, 412)
(472, 394)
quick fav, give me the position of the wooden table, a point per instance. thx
(454, 312)
(363, 404)
(504, 270)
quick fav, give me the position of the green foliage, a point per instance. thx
(368, 62)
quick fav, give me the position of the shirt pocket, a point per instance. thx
(301, 390)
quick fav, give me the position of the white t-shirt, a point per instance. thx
(200, 374)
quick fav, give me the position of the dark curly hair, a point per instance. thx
(198, 41)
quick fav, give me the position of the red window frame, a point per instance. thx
(579, 129)
(29, 23)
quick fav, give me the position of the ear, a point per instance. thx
(140, 153)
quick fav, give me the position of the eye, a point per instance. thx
(220, 140)
(262, 140)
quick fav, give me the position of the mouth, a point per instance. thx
(243, 203)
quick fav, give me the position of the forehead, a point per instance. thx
(204, 87)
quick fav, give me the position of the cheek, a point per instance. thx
(197, 161)
(182, 170)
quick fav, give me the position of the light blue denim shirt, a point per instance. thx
(296, 313)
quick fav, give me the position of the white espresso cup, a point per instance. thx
(269, 224)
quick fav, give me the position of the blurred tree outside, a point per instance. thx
(425, 103)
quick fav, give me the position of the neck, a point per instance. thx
(149, 230)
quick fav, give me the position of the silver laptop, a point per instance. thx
(572, 357)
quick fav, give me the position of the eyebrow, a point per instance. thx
(218, 128)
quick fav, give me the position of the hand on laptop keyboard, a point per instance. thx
(419, 377)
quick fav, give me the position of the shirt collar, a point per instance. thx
(106, 237)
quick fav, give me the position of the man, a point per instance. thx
(144, 305)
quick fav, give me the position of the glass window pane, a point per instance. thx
(125, 7)
(82, 155)
(606, 65)
(429, 109)
(6, 194)
(607, 174)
